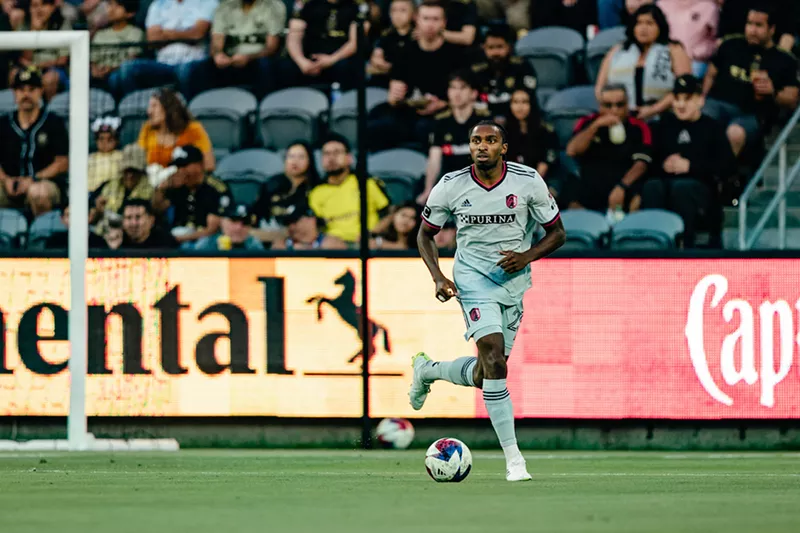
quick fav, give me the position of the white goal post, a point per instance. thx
(78, 436)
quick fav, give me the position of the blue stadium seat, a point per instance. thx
(225, 115)
(597, 48)
(400, 189)
(567, 106)
(654, 229)
(586, 230)
(100, 103)
(551, 51)
(42, 227)
(344, 116)
(245, 190)
(133, 112)
(255, 160)
(13, 227)
(7, 101)
(289, 115)
(398, 162)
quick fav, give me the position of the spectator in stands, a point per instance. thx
(393, 41)
(106, 53)
(734, 16)
(194, 195)
(95, 13)
(462, 22)
(575, 14)
(15, 11)
(448, 148)
(104, 164)
(613, 150)
(236, 220)
(531, 141)
(646, 64)
(691, 157)
(139, 227)
(112, 232)
(336, 200)
(694, 25)
(34, 143)
(749, 80)
(418, 83)
(246, 35)
(43, 197)
(321, 45)
(499, 74)
(130, 183)
(515, 12)
(306, 232)
(169, 21)
(401, 234)
(170, 124)
(610, 13)
(44, 15)
(288, 191)
(59, 240)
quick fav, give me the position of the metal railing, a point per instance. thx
(779, 200)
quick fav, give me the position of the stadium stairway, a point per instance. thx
(758, 202)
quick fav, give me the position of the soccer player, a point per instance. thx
(496, 205)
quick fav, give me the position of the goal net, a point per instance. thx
(76, 188)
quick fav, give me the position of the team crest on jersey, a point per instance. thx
(475, 314)
(511, 201)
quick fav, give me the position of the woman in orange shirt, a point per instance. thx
(169, 124)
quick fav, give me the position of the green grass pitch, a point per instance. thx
(390, 492)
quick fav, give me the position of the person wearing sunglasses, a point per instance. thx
(613, 151)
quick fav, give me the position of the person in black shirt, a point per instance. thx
(462, 22)
(33, 142)
(749, 80)
(321, 45)
(5, 57)
(419, 81)
(194, 196)
(393, 41)
(499, 74)
(613, 151)
(691, 158)
(531, 141)
(140, 231)
(59, 240)
(733, 17)
(449, 141)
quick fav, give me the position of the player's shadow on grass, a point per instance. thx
(345, 305)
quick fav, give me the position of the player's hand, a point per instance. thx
(512, 261)
(445, 289)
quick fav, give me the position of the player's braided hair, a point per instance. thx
(492, 123)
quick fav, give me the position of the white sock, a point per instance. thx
(458, 372)
(501, 413)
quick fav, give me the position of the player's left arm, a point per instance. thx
(543, 210)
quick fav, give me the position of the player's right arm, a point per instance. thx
(434, 215)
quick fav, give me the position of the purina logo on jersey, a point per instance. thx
(511, 201)
(487, 219)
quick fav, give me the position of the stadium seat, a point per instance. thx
(567, 106)
(543, 94)
(289, 115)
(133, 112)
(597, 48)
(586, 230)
(400, 189)
(397, 163)
(245, 188)
(344, 116)
(7, 101)
(13, 227)
(551, 51)
(255, 160)
(100, 103)
(225, 115)
(653, 229)
(42, 227)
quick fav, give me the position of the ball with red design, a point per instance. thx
(448, 460)
(395, 433)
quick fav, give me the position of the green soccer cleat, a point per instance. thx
(420, 387)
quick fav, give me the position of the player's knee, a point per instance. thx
(491, 350)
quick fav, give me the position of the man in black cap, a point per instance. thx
(306, 232)
(194, 195)
(692, 157)
(34, 142)
(237, 221)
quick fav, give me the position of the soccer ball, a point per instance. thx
(395, 433)
(448, 460)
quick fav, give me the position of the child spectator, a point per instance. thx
(104, 164)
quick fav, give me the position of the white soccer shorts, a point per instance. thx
(483, 318)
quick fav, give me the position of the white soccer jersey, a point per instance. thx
(488, 220)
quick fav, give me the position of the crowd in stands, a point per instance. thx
(674, 112)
